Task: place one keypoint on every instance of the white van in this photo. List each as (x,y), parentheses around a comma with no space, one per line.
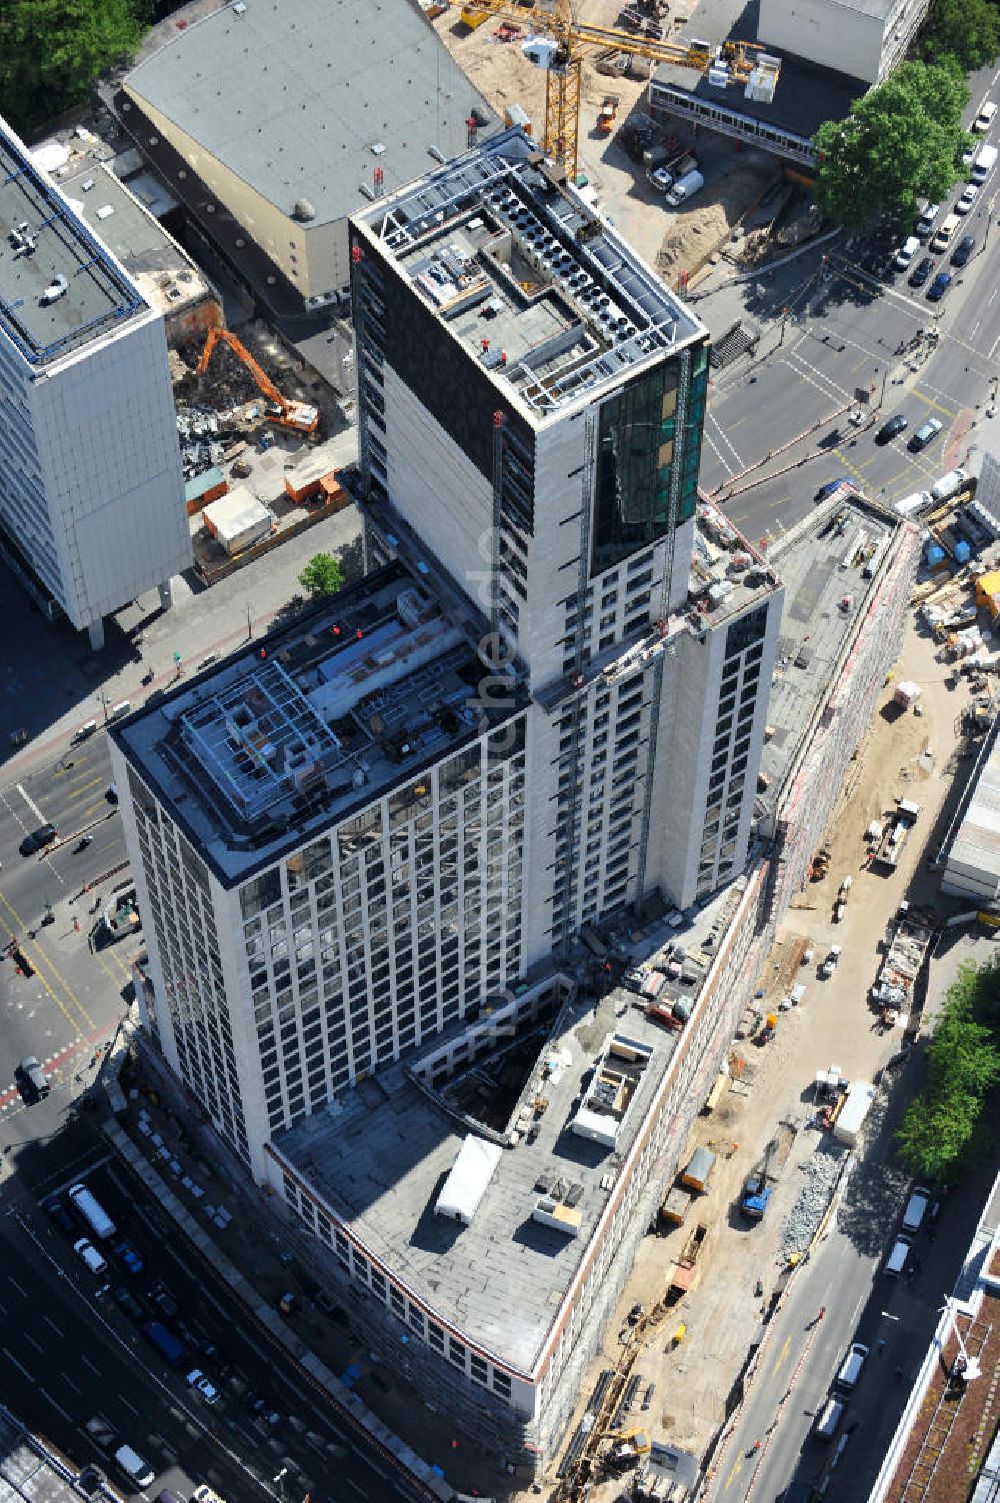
(850,1368)
(829,1418)
(916,501)
(138,1471)
(898,1258)
(796,994)
(92,1212)
(685,187)
(948,485)
(983,164)
(916,1209)
(906,252)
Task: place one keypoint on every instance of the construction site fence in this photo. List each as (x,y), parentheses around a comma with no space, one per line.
(281,534)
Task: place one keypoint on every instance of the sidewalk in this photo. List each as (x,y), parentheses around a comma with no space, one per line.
(51,683)
(262,1253)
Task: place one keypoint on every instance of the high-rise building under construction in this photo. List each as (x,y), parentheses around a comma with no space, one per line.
(364,857)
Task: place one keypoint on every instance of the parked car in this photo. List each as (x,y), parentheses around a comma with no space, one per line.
(128,1302)
(32,1081)
(924,434)
(661,179)
(984,119)
(87,1252)
(54,1207)
(918,276)
(196,1379)
(38,839)
(892,428)
(830,486)
(926,221)
(963,250)
(967,199)
(939,287)
(164,1300)
(829,965)
(128,1257)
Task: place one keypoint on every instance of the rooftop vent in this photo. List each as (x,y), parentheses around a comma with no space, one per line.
(304,210)
(54,291)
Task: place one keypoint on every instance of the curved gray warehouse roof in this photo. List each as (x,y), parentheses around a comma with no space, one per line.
(293,95)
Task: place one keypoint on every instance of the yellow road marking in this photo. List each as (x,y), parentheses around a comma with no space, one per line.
(949,412)
(782,1357)
(93,783)
(39,952)
(30,953)
(737,1467)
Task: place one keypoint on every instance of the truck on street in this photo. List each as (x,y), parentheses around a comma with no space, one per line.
(761,1181)
(166,1343)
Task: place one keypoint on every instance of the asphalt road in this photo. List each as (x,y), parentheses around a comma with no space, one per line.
(69,1352)
(830,330)
(74,998)
(802,1353)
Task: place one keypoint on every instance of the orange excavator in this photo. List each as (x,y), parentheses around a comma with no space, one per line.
(298,416)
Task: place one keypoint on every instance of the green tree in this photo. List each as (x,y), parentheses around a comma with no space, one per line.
(322,575)
(967,30)
(941,1124)
(51,51)
(900,142)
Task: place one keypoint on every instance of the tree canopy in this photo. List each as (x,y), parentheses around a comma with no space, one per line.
(52,50)
(966,30)
(942,1123)
(901,142)
(322,575)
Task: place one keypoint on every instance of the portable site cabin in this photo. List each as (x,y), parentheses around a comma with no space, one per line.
(699,1170)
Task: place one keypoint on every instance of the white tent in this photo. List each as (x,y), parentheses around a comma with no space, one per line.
(469,1179)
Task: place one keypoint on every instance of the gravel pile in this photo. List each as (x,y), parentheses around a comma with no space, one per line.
(819,1175)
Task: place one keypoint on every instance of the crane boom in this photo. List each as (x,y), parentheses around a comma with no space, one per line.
(562,64)
(297,415)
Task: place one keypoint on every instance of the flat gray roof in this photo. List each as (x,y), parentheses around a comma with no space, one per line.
(379,1157)
(162,271)
(303,100)
(806,95)
(59,287)
(822,565)
(285,740)
(976,847)
(522,272)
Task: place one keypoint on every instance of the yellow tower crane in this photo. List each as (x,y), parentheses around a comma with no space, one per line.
(559,45)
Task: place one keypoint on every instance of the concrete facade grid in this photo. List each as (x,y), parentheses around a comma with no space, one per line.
(93,497)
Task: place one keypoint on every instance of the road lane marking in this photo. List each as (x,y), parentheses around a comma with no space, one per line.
(12,1280)
(356,1486)
(26,1336)
(19,1365)
(65,1378)
(123,1400)
(52,1323)
(782,1357)
(938,406)
(52,1401)
(719,455)
(35,953)
(87,1363)
(30,803)
(726,441)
